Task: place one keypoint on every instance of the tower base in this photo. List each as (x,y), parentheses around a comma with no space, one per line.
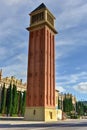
(40,114)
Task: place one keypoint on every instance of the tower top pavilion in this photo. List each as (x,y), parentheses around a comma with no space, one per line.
(41,15)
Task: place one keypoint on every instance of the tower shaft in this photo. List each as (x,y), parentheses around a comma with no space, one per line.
(40,103)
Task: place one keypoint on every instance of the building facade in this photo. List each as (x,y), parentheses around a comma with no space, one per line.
(12,80)
(21,87)
(40,103)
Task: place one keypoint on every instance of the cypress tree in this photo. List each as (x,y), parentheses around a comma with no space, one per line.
(9,100)
(67,105)
(70,104)
(14,100)
(59,104)
(64,105)
(3,99)
(20,104)
(23,102)
(17,103)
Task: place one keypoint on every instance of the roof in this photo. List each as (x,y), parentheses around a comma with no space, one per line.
(41,6)
(57,90)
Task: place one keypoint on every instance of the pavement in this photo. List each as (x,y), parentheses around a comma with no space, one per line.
(20,120)
(14,123)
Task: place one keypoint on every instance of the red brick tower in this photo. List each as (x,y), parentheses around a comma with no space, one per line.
(40,104)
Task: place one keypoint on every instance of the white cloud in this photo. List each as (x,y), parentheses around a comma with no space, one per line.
(64,42)
(59,54)
(71,78)
(72,3)
(14,2)
(14,19)
(3,52)
(17,70)
(60,88)
(64,47)
(81,87)
(71,17)
(77,68)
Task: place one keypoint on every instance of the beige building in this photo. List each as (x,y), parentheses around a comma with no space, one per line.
(56,98)
(58,111)
(59,98)
(70,96)
(73,100)
(7,80)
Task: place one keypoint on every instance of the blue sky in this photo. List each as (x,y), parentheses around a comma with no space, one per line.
(71,41)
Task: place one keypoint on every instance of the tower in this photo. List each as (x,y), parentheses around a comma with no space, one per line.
(40,102)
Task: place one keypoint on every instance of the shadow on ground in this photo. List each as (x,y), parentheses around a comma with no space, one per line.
(57,124)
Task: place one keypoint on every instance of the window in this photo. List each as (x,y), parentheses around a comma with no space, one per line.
(50,113)
(34,112)
(50,19)
(37,17)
